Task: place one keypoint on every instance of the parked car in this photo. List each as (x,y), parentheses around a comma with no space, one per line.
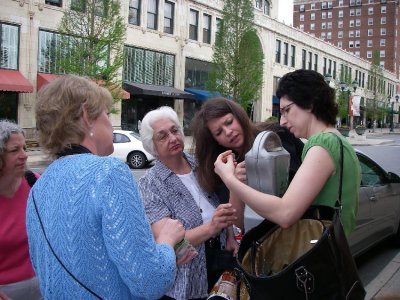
(379,208)
(129,148)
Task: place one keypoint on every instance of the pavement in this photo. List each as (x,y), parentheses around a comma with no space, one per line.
(386,285)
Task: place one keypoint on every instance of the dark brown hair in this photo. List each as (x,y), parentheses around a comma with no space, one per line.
(206,147)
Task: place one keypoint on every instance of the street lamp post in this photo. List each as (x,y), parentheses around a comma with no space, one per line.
(355,86)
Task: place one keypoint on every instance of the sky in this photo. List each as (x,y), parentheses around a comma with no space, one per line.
(285,11)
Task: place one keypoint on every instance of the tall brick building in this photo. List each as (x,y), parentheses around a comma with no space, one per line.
(358,26)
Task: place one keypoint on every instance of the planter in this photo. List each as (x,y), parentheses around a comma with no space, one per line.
(344,131)
(360,131)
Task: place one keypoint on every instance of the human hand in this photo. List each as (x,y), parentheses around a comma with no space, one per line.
(185,253)
(224,165)
(3,296)
(224,216)
(240,172)
(171,233)
(232,244)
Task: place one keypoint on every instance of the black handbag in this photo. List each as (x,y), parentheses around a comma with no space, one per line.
(309,260)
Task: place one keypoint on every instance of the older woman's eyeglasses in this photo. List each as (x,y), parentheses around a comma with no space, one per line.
(285,110)
(163,136)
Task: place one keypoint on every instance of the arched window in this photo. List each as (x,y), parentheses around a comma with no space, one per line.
(267,7)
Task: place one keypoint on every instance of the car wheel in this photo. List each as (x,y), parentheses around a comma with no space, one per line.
(136,160)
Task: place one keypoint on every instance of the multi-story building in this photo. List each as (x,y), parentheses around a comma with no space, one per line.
(358,26)
(167,57)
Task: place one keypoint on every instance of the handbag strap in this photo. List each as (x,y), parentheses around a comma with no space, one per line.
(338,203)
(56,256)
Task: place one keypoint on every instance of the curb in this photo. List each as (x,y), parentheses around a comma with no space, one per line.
(382,286)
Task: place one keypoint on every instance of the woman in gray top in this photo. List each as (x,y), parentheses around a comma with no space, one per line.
(170,190)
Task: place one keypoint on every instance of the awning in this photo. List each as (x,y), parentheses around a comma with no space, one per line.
(43,79)
(202,95)
(14,81)
(156,90)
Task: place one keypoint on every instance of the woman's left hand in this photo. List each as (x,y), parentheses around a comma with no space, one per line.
(232,244)
(224,166)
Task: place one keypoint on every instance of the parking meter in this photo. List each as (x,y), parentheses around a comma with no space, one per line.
(267,170)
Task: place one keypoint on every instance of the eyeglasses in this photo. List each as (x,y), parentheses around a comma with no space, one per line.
(285,110)
(163,136)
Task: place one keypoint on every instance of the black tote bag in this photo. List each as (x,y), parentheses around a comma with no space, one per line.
(323,268)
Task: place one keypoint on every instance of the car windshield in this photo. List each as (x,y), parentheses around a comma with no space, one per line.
(135,135)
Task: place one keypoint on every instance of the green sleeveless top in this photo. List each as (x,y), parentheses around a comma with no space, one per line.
(351,177)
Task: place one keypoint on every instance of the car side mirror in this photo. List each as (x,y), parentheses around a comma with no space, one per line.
(393,178)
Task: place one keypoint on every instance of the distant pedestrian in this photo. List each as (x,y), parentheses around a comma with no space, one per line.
(88,234)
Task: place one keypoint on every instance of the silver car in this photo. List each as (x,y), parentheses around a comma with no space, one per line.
(379,209)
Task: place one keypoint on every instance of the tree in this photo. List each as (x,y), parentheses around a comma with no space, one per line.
(93,35)
(375,85)
(237,68)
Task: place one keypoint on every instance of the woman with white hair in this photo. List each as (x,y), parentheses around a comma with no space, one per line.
(170,190)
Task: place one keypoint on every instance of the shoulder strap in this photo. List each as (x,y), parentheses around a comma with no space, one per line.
(338,203)
(30,177)
(56,256)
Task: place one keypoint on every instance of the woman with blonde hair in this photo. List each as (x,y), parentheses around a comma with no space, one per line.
(88,234)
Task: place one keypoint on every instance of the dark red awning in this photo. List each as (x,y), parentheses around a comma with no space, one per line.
(14,81)
(42,79)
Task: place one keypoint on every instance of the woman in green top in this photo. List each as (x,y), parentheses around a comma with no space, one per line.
(308,109)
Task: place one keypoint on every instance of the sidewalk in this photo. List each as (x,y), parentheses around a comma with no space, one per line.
(37,158)
(386,285)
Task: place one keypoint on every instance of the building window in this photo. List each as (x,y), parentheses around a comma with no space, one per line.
(382,53)
(357,53)
(323,35)
(370,11)
(206,29)
(329,35)
(196,74)
(340,14)
(266,8)
(193,24)
(369,43)
(148,67)
(352,12)
(383,31)
(383,42)
(340,24)
(383,9)
(301,8)
(358,33)
(301,27)
(152,7)
(351,33)
(134,12)
(54,2)
(315,62)
(9,46)
(369,54)
(370,32)
(340,44)
(351,23)
(383,20)
(329,25)
(169,11)
(323,16)
(293,56)
(358,12)
(323,5)
(312,6)
(278,51)
(309,60)
(285,54)
(312,16)
(340,3)
(301,17)
(259,4)
(312,26)
(370,21)
(303,58)
(357,44)
(351,44)
(340,34)
(323,25)
(330,4)
(358,22)
(329,15)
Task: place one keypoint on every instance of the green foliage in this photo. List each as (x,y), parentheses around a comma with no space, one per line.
(237,68)
(93,40)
